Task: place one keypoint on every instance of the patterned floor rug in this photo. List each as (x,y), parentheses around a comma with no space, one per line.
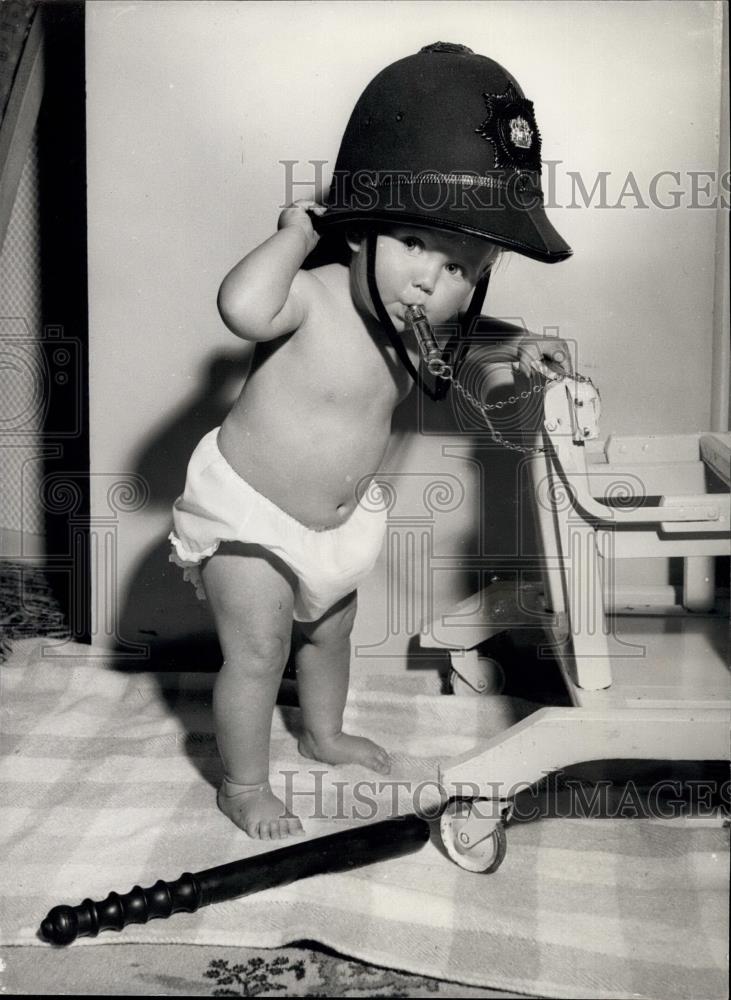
(305,970)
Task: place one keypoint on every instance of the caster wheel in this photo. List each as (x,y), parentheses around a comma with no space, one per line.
(487,855)
(476,677)
(459,686)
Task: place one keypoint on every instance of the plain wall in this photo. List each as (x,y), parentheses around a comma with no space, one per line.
(191,109)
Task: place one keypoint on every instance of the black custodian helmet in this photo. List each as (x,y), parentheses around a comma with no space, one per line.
(445,138)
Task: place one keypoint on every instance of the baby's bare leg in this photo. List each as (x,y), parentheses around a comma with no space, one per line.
(251,598)
(323,672)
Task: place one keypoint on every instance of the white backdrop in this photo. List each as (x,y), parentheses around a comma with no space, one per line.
(191,109)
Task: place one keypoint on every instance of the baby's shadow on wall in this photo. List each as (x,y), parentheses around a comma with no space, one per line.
(161,623)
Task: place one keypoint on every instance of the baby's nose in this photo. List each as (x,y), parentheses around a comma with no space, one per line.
(426,275)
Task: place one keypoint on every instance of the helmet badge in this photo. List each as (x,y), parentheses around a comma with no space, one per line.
(510,126)
(521,134)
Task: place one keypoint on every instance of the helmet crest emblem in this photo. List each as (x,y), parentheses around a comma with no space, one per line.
(510,126)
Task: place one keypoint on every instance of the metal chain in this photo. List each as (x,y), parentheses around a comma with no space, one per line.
(444,370)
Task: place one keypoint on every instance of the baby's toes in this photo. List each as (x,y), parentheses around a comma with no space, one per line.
(293,827)
(382,762)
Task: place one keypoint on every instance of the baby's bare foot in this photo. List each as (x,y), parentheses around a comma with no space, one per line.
(345,749)
(257,810)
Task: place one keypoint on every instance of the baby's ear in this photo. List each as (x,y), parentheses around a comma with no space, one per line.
(492,263)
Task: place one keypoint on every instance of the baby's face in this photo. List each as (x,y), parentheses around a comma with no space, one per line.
(432,268)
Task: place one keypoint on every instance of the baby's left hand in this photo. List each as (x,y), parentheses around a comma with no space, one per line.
(548,356)
(527,354)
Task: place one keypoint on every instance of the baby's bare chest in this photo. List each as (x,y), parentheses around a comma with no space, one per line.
(346,362)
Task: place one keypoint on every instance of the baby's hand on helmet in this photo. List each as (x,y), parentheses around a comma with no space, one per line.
(297,215)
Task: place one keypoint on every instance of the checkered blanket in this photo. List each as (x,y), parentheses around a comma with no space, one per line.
(108,780)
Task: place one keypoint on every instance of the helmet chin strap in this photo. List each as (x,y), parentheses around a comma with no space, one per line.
(441,386)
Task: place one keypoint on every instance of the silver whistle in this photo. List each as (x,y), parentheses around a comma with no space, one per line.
(416,319)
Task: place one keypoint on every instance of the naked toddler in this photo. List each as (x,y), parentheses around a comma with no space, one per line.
(280,519)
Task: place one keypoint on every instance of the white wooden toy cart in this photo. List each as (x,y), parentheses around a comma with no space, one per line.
(646,667)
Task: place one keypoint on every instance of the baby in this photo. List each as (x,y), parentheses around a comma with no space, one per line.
(280,520)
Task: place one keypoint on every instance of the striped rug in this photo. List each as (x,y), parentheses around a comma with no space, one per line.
(108,780)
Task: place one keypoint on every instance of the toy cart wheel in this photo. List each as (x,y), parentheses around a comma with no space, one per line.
(474,676)
(462,688)
(487,854)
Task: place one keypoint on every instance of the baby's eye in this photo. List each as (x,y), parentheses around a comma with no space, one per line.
(412,243)
(456,270)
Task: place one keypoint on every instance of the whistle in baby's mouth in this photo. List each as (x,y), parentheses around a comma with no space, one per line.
(416,319)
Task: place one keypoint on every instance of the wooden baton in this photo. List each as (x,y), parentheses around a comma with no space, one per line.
(336,852)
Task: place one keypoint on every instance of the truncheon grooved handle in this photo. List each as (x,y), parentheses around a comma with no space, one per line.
(65,923)
(335,852)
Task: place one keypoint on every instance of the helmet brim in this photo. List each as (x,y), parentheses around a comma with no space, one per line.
(526,231)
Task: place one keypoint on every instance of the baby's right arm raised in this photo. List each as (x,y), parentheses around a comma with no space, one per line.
(265,295)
